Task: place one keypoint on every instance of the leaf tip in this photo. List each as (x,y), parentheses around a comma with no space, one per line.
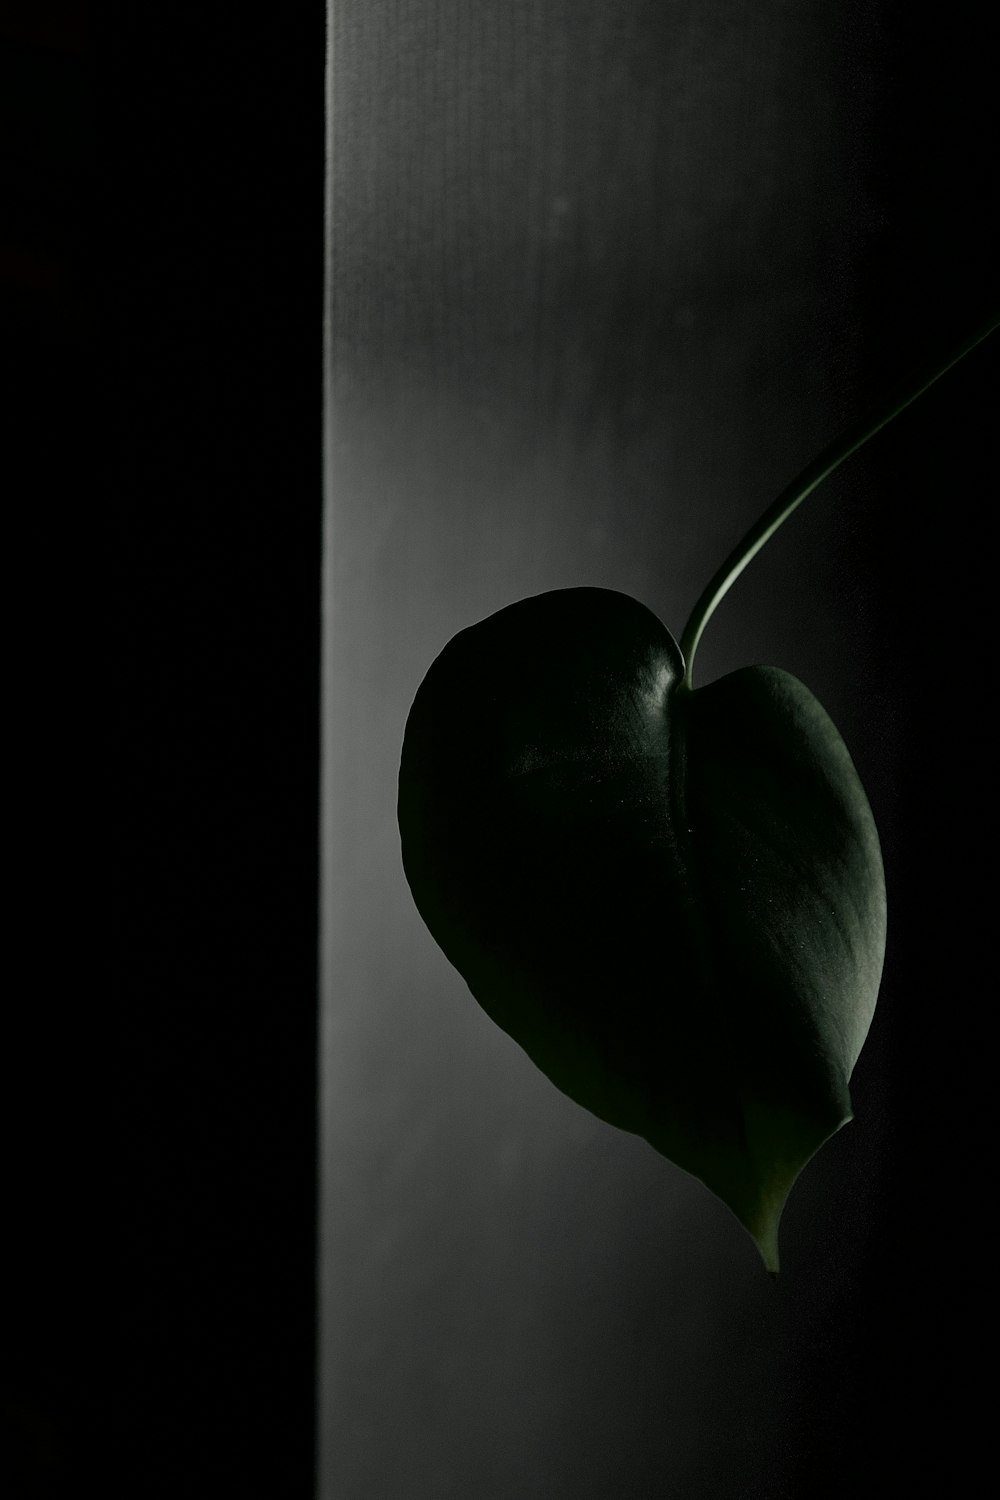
(766,1240)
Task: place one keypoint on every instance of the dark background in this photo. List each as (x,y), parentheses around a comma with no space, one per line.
(164,1288)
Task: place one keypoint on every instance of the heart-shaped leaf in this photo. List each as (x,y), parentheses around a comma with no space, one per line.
(672,899)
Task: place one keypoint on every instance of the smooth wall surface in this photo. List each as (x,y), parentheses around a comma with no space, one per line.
(602,280)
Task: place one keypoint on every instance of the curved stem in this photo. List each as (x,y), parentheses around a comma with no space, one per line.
(793,495)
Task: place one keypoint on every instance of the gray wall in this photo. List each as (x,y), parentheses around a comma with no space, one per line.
(593,302)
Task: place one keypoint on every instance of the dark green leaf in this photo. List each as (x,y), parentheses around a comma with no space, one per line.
(673,901)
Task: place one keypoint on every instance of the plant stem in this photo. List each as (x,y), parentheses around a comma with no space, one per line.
(793,495)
